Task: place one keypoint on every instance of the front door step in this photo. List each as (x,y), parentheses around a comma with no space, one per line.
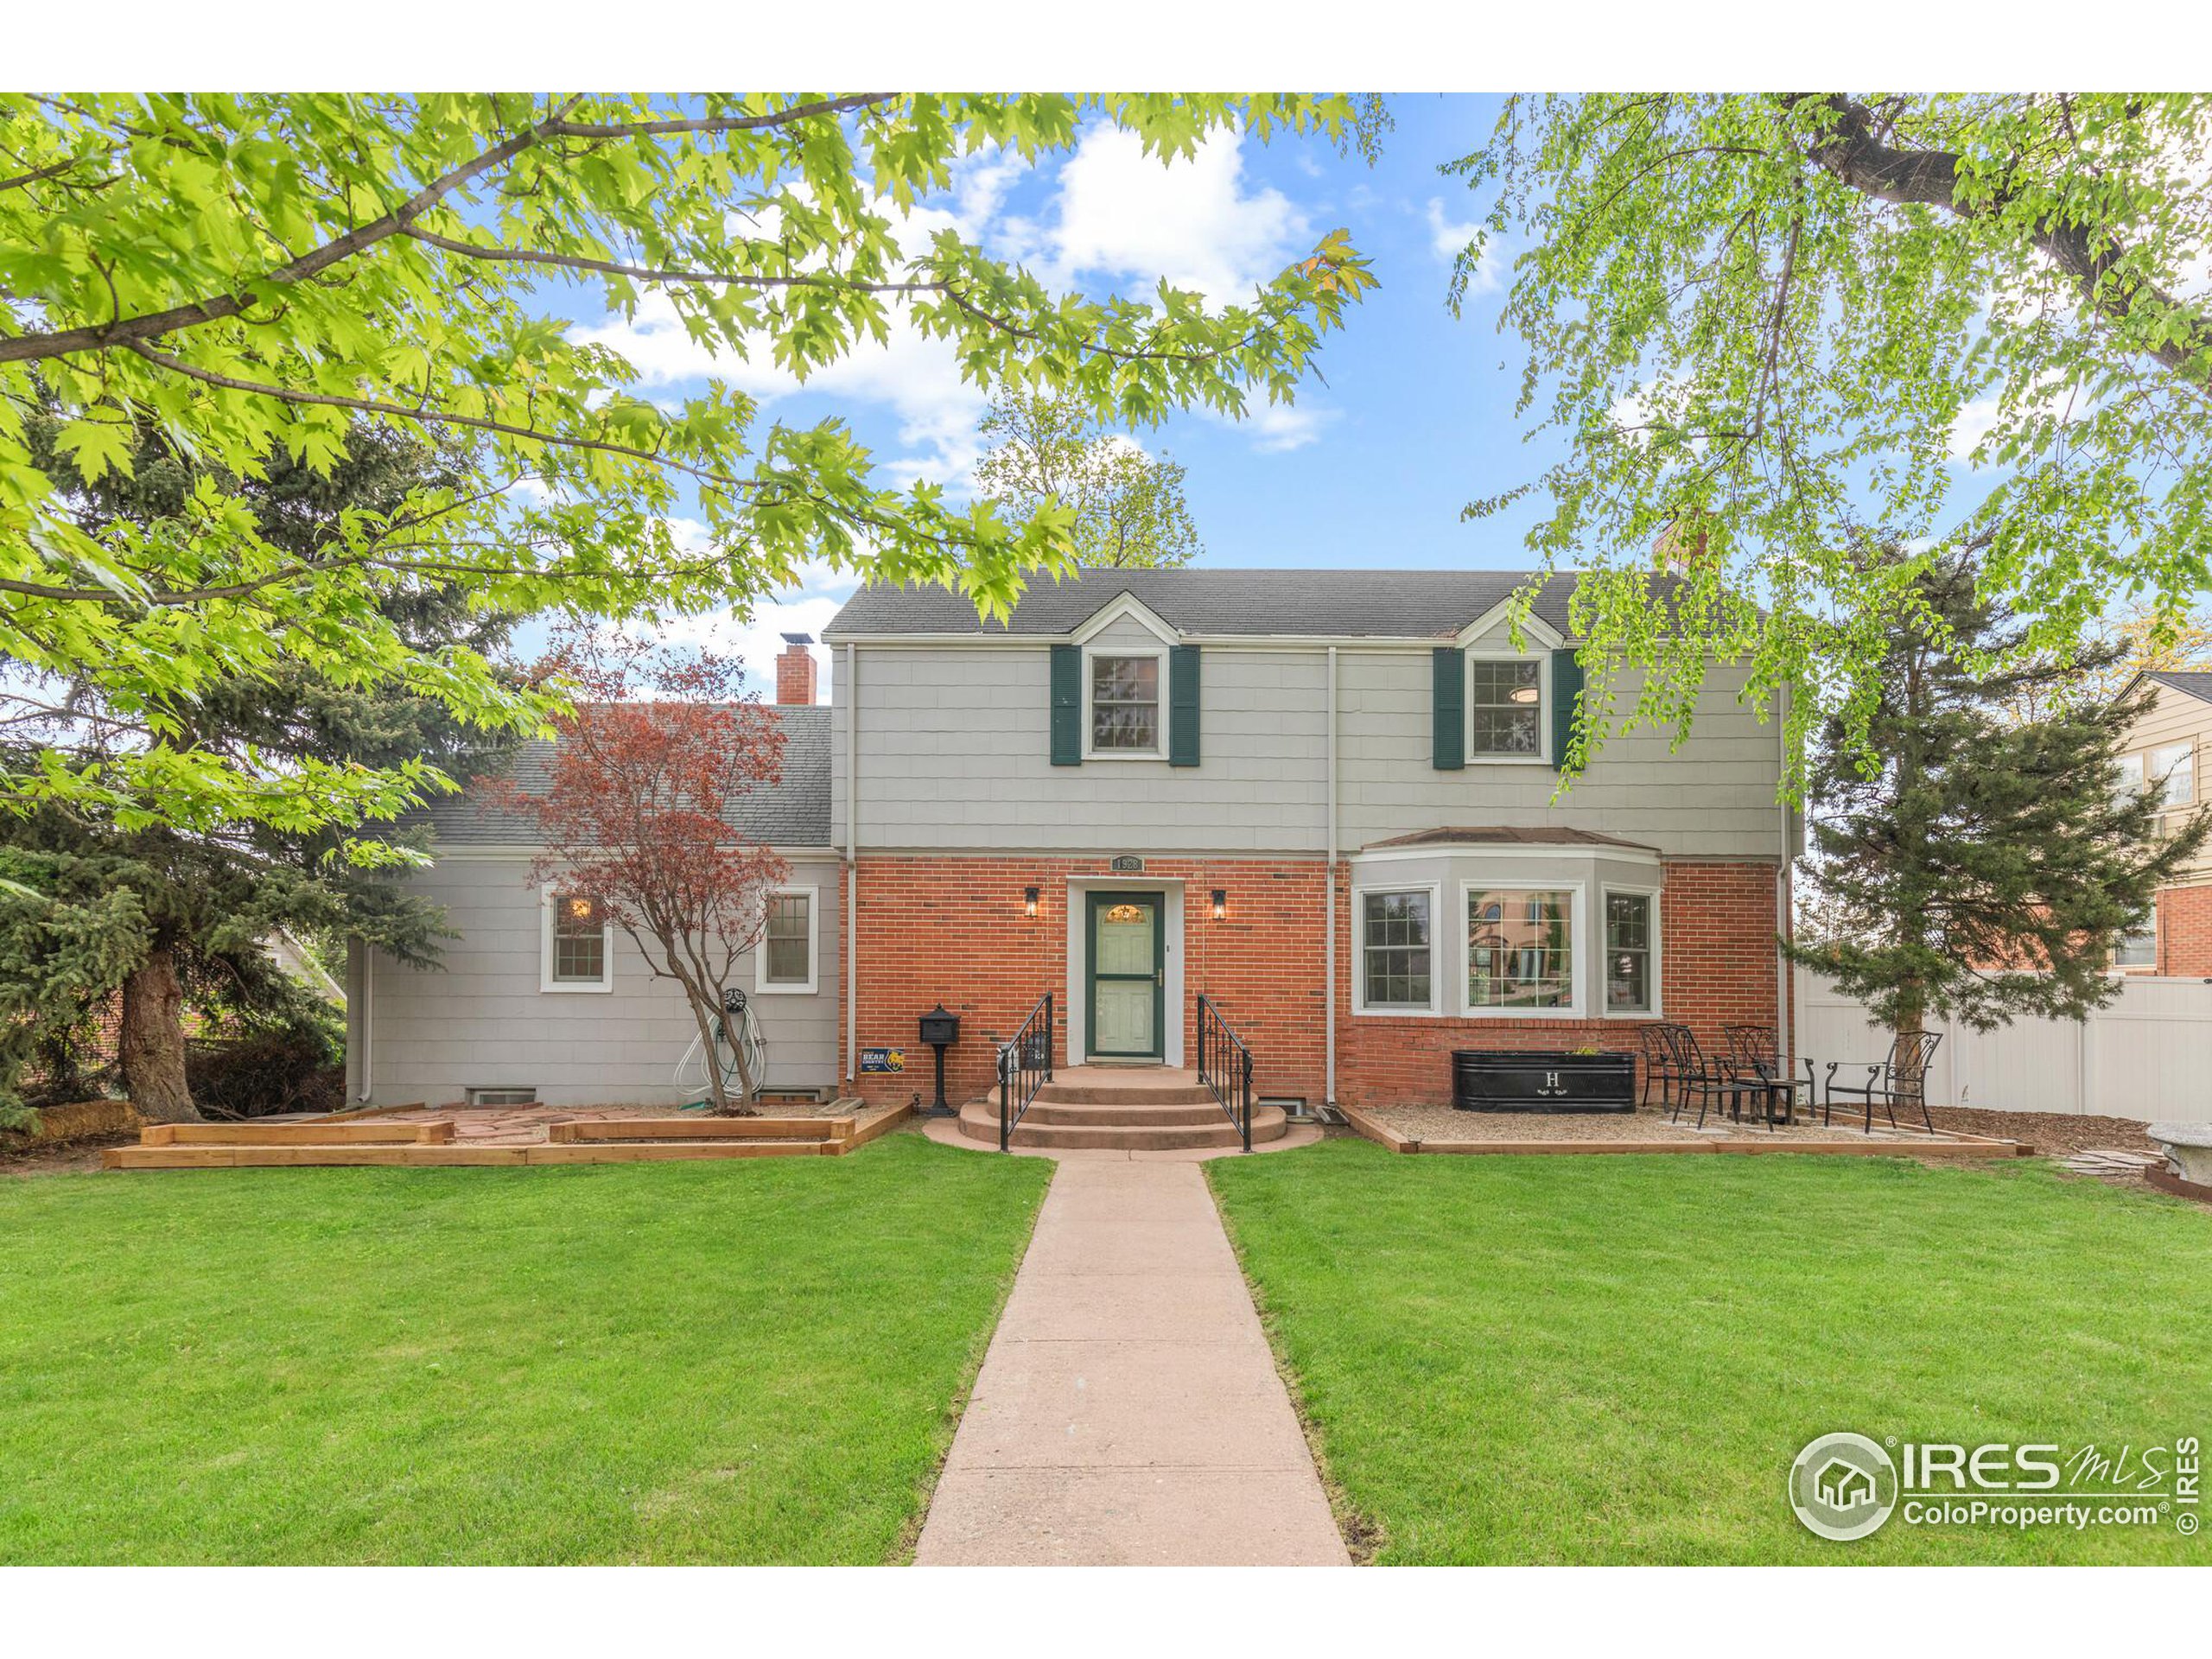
(1158,1109)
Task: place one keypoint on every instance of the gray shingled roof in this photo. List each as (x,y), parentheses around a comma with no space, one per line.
(1337,604)
(2196,684)
(792,812)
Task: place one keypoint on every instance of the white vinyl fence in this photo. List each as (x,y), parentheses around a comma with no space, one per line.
(2146,1054)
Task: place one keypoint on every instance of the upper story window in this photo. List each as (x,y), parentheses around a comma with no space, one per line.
(1394,950)
(1125,688)
(2173,774)
(1505,708)
(576,949)
(2168,772)
(786,951)
(1520,948)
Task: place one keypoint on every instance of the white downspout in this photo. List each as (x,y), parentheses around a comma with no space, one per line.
(1783,970)
(368,1016)
(852,865)
(1328,908)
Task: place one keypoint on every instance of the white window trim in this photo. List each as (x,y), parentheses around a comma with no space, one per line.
(760,984)
(546,982)
(1437,955)
(2139,968)
(2158,780)
(1578,940)
(1159,752)
(1543,754)
(1654,979)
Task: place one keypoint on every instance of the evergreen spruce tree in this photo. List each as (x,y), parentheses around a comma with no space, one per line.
(198,900)
(1970,861)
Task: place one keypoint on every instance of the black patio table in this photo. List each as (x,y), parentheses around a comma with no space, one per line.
(1751,1049)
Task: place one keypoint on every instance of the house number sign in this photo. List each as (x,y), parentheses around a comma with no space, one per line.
(1128,864)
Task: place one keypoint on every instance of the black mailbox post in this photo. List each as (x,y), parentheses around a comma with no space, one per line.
(939,1030)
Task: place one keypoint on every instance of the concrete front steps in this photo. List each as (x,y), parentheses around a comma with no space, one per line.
(1121,1108)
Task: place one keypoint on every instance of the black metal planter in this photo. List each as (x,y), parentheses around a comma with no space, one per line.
(1539,1080)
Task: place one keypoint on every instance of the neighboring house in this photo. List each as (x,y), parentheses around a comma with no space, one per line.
(1324,799)
(2162,757)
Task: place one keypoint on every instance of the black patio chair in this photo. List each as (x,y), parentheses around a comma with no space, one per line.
(1662,1063)
(1715,1080)
(1901,1080)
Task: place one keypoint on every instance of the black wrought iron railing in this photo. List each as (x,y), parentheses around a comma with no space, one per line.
(1024,1066)
(1225,1068)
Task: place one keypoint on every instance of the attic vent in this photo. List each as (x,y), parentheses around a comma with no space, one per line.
(523,1095)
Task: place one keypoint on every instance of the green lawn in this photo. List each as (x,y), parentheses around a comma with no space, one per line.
(1615,1358)
(742,1362)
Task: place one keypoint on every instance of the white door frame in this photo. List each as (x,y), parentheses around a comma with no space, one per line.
(1170,888)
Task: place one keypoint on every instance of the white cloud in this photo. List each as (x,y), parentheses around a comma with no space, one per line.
(1449,239)
(1123,214)
(918,379)
(1276,427)
(1116,214)
(757,638)
(1446,237)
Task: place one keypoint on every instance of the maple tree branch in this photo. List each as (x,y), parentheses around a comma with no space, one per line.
(437,418)
(37,346)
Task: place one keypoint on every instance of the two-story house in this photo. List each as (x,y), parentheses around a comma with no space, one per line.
(2162,757)
(1327,800)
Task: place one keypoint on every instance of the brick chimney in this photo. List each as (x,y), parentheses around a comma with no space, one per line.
(795,669)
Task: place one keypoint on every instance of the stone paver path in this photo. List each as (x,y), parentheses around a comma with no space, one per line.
(1128,1411)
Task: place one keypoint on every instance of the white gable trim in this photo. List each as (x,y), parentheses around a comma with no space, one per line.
(1535,631)
(1123,605)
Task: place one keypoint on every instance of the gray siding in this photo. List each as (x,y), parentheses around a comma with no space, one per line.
(954,755)
(483,1020)
(1713,797)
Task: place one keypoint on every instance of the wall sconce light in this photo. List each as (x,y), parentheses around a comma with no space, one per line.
(1029,901)
(1220,903)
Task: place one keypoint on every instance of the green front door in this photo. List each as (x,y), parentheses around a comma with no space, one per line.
(1127,956)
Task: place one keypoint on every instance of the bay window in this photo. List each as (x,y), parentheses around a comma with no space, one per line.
(1520,948)
(1394,965)
(1631,951)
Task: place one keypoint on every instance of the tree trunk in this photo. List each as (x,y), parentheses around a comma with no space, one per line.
(1912,1020)
(151,1048)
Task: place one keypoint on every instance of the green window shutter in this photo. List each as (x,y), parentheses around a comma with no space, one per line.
(1451,705)
(1067,705)
(1183,706)
(1567,692)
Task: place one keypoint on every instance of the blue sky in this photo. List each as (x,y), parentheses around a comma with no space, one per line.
(1412,415)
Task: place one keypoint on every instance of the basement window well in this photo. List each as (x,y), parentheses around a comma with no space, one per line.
(526,1095)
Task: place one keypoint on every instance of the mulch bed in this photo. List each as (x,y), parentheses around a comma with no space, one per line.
(2048,1132)
(1645,1123)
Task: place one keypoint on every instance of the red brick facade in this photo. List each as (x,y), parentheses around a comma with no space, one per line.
(1716,969)
(953,928)
(2184,932)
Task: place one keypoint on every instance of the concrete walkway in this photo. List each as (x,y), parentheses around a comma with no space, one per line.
(1128,1411)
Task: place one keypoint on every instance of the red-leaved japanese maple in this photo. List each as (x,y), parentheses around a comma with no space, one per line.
(638,815)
